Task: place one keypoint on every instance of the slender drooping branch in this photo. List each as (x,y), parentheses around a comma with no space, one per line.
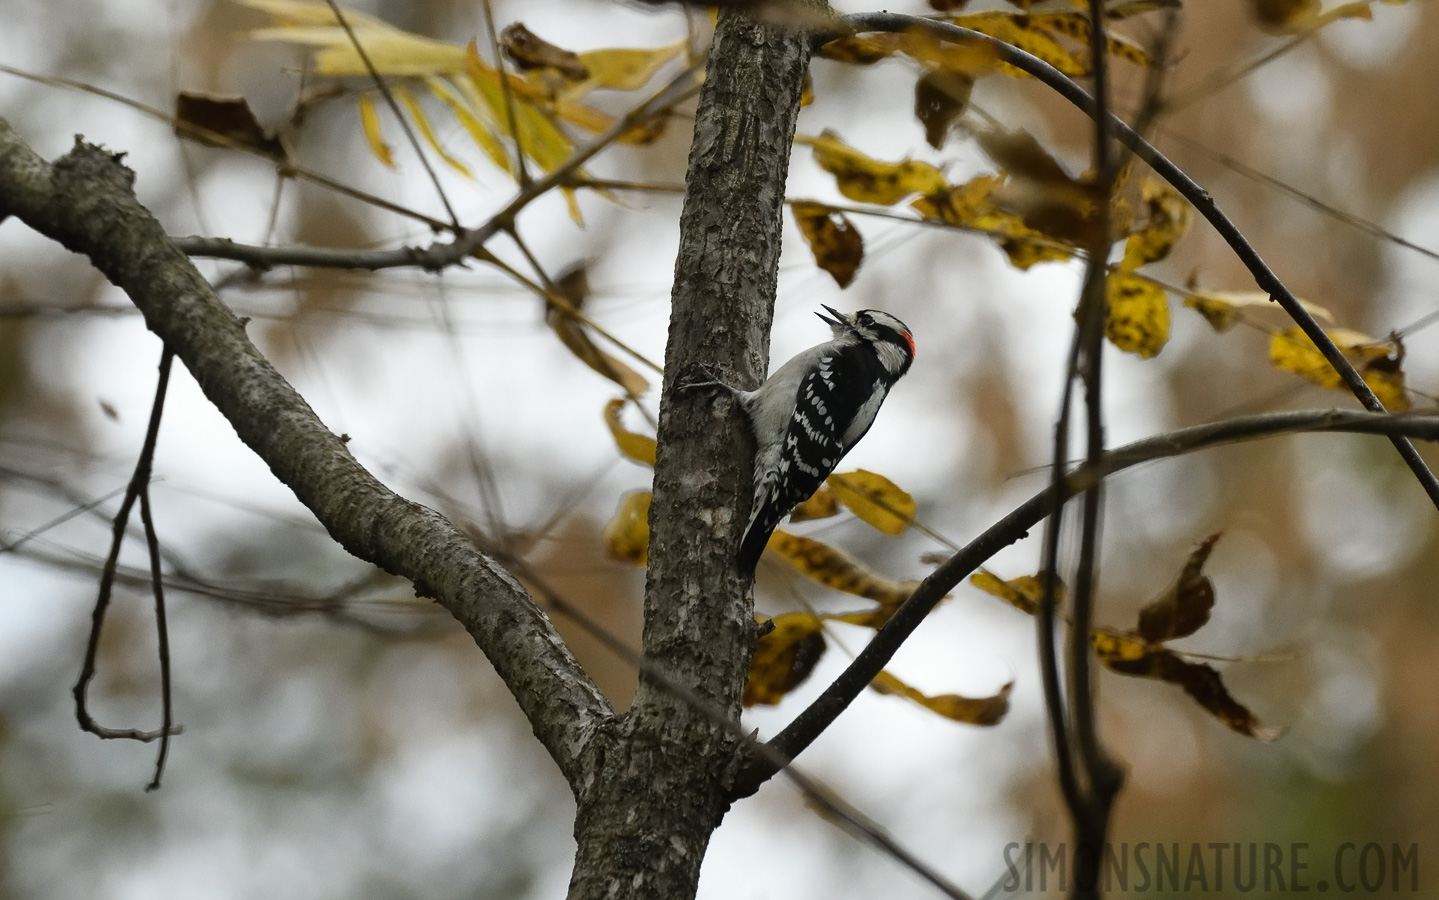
(1199,198)
(86,203)
(818,716)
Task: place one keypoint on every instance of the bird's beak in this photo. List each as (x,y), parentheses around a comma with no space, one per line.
(839,320)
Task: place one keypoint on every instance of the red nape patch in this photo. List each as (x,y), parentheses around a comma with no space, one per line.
(908,339)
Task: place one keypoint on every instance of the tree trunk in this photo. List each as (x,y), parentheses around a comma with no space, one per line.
(661,773)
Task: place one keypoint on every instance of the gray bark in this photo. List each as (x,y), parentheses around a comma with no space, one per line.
(663,772)
(85,202)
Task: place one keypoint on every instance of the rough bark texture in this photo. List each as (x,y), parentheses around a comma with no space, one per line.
(661,776)
(85,202)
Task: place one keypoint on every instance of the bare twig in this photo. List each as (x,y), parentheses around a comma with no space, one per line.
(137,489)
(395,108)
(808,725)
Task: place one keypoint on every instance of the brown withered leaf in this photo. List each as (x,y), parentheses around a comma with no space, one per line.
(627,534)
(837,245)
(1200,681)
(1184,607)
(528,50)
(970,710)
(574,287)
(947,5)
(1044,195)
(821,505)
(834,568)
(867,180)
(223,122)
(784,657)
(971,205)
(1024,593)
(876,500)
(638,447)
(940,98)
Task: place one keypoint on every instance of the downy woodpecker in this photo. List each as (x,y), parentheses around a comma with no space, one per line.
(813,410)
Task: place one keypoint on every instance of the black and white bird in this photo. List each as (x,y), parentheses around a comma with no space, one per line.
(813,410)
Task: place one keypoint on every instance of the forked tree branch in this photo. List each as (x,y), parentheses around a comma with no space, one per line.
(1199,198)
(795,737)
(85,202)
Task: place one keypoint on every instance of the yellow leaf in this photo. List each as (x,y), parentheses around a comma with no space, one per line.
(971,711)
(820,505)
(1138,320)
(627,535)
(1017,30)
(1024,593)
(308,12)
(479,132)
(422,122)
(625,69)
(836,244)
(784,657)
(1379,362)
(1222,309)
(867,180)
(1112,647)
(1169,216)
(875,499)
(971,205)
(637,447)
(370,125)
(836,569)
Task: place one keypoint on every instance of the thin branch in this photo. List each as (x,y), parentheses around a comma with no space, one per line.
(818,716)
(395,108)
(190,129)
(85,202)
(1199,198)
(137,489)
(522,172)
(162,629)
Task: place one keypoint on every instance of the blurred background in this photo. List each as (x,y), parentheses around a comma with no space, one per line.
(343,739)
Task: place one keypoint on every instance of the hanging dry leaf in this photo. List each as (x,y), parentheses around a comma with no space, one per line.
(1200,681)
(876,500)
(1024,593)
(1138,320)
(971,711)
(528,50)
(834,568)
(622,69)
(1045,196)
(574,334)
(637,447)
(866,180)
(1184,607)
(223,122)
(784,658)
(836,244)
(627,534)
(1222,309)
(1379,362)
(940,98)
(971,205)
